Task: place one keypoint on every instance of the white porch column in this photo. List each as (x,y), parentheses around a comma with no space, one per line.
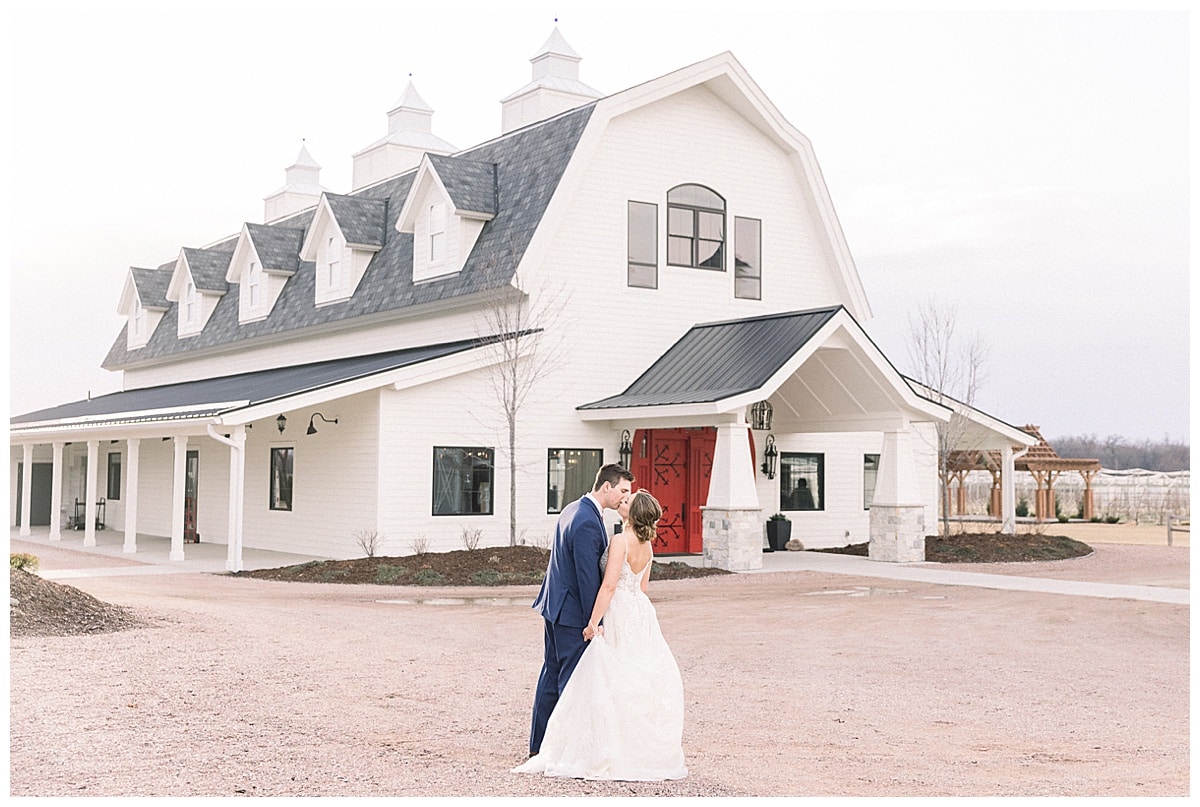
(237,476)
(1008,491)
(131,493)
(26,486)
(177,495)
(897,515)
(56,483)
(732,519)
(89,507)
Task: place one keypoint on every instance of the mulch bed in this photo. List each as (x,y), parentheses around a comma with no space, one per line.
(493,566)
(988,547)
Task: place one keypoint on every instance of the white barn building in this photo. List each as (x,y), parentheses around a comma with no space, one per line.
(663,266)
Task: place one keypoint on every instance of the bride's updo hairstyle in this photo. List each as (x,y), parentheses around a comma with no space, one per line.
(644,513)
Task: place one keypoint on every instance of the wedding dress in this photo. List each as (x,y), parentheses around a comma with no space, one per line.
(621,714)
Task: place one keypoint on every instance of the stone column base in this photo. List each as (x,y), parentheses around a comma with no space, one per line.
(897,533)
(733,538)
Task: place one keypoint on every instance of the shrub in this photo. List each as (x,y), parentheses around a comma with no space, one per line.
(369,541)
(471,536)
(1063,518)
(420,545)
(24,561)
(427,577)
(1111,519)
(386,573)
(486,577)
(779,517)
(1023,507)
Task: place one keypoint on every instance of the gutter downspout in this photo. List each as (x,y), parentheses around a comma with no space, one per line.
(237,474)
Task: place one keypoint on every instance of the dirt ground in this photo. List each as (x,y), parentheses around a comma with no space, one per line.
(796,683)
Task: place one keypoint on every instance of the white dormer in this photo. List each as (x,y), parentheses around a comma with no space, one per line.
(143,303)
(555,87)
(264,258)
(301,189)
(345,234)
(450,201)
(410,134)
(197,285)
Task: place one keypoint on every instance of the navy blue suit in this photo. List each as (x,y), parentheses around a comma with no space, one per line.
(565,602)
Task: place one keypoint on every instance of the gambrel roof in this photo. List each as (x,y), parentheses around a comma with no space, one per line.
(529,164)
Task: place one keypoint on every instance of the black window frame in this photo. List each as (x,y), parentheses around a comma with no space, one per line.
(788,498)
(631,263)
(696,212)
(113,487)
(286,500)
(472,493)
(566,496)
(743,274)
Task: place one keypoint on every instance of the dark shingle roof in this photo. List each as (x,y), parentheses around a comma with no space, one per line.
(200,397)
(278,247)
(208,268)
(721,359)
(529,164)
(470,183)
(362,221)
(151,285)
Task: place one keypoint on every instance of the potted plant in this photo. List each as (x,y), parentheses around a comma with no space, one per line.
(779,532)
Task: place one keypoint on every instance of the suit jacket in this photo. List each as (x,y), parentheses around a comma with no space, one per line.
(573,577)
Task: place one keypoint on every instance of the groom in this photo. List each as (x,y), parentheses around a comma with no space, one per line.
(570,587)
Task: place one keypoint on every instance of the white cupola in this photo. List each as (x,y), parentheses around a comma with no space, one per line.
(410,134)
(555,87)
(301,189)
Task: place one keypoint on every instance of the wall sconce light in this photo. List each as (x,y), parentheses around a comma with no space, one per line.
(626,449)
(313,429)
(770,454)
(281,422)
(760,416)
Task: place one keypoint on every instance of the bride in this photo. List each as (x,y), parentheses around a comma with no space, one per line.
(621,713)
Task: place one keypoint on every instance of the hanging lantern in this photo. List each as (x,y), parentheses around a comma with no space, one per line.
(770,455)
(626,449)
(760,416)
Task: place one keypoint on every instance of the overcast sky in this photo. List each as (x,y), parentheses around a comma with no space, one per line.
(1028,170)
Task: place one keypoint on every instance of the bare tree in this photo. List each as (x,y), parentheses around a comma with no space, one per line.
(952,369)
(515,326)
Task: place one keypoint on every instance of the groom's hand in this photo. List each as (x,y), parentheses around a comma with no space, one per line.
(590,632)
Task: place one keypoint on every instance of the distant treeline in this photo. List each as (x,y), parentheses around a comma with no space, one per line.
(1118,454)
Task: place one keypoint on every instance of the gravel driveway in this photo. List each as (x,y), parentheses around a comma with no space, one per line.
(796,683)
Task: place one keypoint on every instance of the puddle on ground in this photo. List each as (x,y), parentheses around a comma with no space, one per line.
(460,601)
(860,591)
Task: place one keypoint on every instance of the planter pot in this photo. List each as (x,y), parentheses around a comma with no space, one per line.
(778,534)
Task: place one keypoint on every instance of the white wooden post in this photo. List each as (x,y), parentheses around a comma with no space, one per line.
(26,485)
(177,496)
(131,494)
(237,475)
(56,484)
(1008,492)
(89,505)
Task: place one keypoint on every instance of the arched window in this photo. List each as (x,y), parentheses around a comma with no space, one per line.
(695,227)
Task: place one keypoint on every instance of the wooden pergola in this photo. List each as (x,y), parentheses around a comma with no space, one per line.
(1041,460)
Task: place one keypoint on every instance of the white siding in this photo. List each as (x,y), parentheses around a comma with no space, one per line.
(334,491)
